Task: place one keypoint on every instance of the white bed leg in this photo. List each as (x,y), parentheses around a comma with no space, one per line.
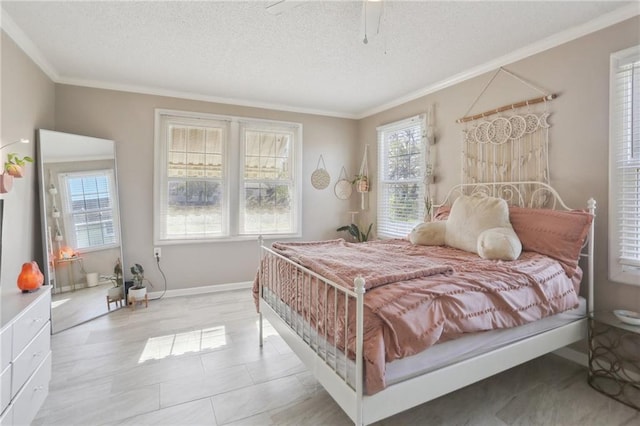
(260,325)
(590,267)
(359,284)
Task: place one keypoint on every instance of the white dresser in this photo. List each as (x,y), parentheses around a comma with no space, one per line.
(25,355)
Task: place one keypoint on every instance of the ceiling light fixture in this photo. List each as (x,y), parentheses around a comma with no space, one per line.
(372,17)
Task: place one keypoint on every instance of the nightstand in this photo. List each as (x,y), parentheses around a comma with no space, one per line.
(614,358)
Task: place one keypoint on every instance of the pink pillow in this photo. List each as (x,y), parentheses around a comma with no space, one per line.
(442,213)
(554,233)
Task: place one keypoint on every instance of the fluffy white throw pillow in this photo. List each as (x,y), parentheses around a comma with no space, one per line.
(472,215)
(428,233)
(499,243)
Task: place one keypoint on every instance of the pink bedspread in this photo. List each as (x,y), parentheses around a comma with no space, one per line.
(381,263)
(446,293)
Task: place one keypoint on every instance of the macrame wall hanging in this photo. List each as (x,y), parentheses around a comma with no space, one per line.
(509,143)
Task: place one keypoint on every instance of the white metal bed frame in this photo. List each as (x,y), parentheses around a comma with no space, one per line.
(365,409)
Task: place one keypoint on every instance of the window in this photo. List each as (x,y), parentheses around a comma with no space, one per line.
(90,210)
(221,177)
(624,167)
(267,181)
(401,170)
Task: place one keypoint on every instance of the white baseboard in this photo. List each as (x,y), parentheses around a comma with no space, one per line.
(202,290)
(573,355)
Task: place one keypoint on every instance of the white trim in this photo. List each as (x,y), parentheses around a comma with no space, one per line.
(606,20)
(28,47)
(199,97)
(191,291)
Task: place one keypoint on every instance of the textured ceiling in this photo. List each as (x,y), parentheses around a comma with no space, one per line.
(308,58)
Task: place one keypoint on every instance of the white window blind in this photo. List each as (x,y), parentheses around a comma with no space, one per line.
(624,191)
(268,186)
(89,209)
(401,172)
(223,177)
(192,178)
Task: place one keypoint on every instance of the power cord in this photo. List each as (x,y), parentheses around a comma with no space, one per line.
(163,277)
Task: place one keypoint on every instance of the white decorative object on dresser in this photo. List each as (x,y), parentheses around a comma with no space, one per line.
(25,355)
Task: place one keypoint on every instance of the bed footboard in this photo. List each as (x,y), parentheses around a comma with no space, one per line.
(321,320)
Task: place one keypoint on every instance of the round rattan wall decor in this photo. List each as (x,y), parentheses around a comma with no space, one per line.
(320,178)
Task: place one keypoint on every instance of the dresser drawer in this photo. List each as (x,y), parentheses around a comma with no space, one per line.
(7,417)
(5,347)
(29,359)
(32,395)
(30,322)
(5,388)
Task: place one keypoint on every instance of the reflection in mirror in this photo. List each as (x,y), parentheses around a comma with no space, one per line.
(80,226)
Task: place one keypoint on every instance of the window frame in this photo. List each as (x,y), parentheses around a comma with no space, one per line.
(295,161)
(381,182)
(618,272)
(67,213)
(233,166)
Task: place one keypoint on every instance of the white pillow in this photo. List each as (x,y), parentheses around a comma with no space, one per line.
(499,243)
(428,233)
(470,216)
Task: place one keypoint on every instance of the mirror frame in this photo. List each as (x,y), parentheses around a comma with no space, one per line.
(43,188)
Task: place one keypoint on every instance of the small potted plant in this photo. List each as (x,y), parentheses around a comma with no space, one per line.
(14,165)
(356,233)
(115,292)
(138,291)
(361,182)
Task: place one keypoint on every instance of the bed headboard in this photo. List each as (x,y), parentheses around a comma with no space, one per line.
(522,194)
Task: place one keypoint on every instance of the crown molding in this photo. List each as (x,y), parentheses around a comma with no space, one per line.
(199,97)
(24,42)
(555,40)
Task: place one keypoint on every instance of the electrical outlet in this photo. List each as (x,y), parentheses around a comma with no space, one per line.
(157,252)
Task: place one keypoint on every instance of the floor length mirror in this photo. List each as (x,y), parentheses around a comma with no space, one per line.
(80,226)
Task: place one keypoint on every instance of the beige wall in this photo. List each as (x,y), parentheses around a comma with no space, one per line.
(27,103)
(128,119)
(579,72)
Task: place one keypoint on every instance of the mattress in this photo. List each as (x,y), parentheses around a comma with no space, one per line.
(435,357)
(471,345)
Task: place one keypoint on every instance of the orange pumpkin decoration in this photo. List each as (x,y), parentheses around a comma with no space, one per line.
(66,252)
(30,278)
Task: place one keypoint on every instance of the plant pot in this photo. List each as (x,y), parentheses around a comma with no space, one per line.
(15,170)
(115,293)
(362,185)
(92,279)
(6,183)
(136,294)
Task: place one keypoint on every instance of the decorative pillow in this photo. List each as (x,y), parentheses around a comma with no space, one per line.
(442,213)
(554,233)
(499,244)
(470,216)
(428,234)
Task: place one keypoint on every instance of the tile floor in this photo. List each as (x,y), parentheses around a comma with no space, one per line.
(71,308)
(196,361)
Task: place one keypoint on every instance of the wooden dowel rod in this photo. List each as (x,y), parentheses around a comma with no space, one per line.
(508,107)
